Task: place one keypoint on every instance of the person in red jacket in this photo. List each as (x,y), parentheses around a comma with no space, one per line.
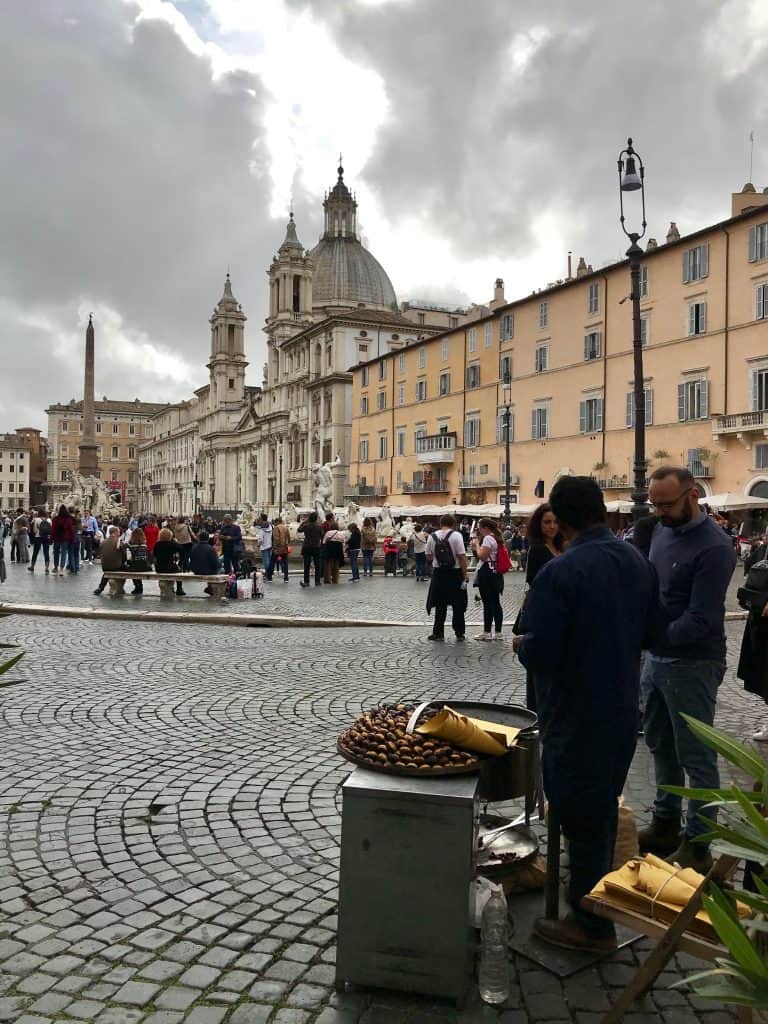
(151,531)
(62,534)
(391,548)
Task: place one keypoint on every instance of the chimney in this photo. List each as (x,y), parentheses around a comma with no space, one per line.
(581,268)
(652,244)
(748,199)
(570,257)
(673,235)
(498,294)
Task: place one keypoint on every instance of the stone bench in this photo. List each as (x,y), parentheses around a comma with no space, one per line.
(117,581)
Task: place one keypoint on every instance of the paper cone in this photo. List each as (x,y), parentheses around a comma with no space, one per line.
(461,732)
(660,884)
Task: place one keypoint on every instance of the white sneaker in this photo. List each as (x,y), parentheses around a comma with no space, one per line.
(761,736)
(483,636)
(498,636)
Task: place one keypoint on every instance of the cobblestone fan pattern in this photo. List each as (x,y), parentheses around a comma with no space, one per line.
(170,823)
(395,599)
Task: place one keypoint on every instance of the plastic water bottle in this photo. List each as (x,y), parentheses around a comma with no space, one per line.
(493,973)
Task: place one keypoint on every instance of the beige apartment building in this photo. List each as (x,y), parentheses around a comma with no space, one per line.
(120,428)
(428,421)
(22,469)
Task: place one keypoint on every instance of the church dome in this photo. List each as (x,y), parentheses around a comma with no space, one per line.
(346,274)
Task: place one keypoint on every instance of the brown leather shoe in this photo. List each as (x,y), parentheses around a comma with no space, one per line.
(568,934)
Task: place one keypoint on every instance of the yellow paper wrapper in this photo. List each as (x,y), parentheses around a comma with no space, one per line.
(650,886)
(463,732)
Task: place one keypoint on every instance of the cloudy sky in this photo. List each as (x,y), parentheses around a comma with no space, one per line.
(146,146)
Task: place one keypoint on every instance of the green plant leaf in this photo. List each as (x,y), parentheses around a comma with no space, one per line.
(8,665)
(726,923)
(716,797)
(732,751)
(753,816)
(753,900)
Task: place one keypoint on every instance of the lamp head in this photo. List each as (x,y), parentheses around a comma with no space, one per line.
(630,179)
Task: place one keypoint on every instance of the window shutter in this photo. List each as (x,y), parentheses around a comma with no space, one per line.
(599,343)
(753,243)
(686,267)
(692,318)
(704,260)
(681,403)
(599,423)
(648,407)
(704,392)
(702,317)
(583,417)
(511,427)
(534,432)
(586,346)
(630,409)
(759,302)
(755,391)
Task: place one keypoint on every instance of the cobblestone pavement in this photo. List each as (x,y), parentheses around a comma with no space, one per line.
(170,823)
(393,599)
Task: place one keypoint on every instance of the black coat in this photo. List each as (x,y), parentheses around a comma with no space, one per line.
(753,659)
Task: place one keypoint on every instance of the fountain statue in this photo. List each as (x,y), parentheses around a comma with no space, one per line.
(384,523)
(322,477)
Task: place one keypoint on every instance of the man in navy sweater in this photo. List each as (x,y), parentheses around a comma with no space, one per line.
(694,560)
(588,616)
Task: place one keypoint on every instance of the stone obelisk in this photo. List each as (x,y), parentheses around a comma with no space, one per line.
(88,463)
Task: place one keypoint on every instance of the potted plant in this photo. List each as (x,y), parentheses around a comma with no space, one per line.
(741,978)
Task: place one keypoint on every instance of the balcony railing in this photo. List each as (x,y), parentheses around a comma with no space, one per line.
(615,482)
(360,491)
(700,469)
(435,448)
(429,485)
(466,482)
(738,422)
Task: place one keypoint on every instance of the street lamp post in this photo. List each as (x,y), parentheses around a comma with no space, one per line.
(632,179)
(507,423)
(280,477)
(196,484)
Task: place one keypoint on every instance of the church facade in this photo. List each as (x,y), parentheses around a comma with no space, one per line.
(330,308)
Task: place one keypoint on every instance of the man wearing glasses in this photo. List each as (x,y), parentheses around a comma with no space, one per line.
(694,560)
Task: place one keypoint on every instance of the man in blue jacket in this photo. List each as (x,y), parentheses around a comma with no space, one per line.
(589,614)
(694,559)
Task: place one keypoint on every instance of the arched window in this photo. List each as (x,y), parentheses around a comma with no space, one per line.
(759,488)
(296,293)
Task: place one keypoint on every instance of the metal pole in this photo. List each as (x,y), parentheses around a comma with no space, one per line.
(280,481)
(507,509)
(639,491)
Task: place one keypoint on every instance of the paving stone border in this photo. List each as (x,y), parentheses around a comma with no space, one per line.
(170,825)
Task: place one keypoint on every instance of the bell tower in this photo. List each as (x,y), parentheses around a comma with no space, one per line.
(227,364)
(290,280)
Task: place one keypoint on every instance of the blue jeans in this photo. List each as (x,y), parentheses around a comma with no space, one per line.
(421,565)
(668,689)
(353,557)
(368,561)
(73,556)
(266,559)
(60,550)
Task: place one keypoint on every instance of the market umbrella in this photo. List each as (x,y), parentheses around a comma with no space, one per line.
(730,501)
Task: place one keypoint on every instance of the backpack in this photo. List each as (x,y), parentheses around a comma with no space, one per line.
(443,556)
(44,529)
(503,561)
(754,593)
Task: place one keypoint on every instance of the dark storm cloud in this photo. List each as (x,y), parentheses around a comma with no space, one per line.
(482,151)
(129,180)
